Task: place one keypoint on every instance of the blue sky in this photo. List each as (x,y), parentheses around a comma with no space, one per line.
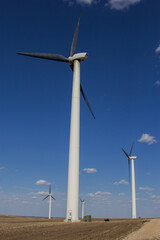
(121,79)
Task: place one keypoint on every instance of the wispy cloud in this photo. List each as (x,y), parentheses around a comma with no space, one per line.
(121,194)
(146,138)
(121,182)
(157,83)
(90,194)
(157,50)
(155,197)
(41,193)
(42,182)
(113,4)
(82,2)
(99,193)
(26,202)
(69,2)
(90,170)
(37,193)
(1,168)
(146,189)
(148,173)
(141,199)
(103,193)
(121,4)
(88,2)
(34,197)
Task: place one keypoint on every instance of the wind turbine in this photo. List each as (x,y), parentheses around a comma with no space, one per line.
(50,200)
(82,206)
(131,159)
(74,61)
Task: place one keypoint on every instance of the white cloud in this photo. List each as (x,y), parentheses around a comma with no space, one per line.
(121,4)
(121,182)
(155,197)
(146,138)
(37,193)
(41,193)
(157,83)
(89,170)
(141,199)
(34,197)
(99,193)
(82,2)
(42,182)
(156,201)
(103,193)
(157,49)
(146,189)
(88,2)
(121,194)
(148,173)
(90,194)
(113,4)
(25,202)
(70,3)
(1,168)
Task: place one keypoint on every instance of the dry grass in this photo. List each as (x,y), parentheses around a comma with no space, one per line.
(26,228)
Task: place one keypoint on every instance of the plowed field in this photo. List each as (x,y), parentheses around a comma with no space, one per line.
(24,228)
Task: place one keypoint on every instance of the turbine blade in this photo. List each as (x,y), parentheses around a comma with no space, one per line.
(53,198)
(80,199)
(50,189)
(49,56)
(85,99)
(125,153)
(46,197)
(74,41)
(131,150)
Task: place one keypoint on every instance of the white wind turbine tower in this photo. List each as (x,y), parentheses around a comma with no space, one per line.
(74,61)
(50,200)
(82,207)
(132,158)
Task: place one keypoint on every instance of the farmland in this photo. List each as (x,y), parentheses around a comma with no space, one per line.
(27,228)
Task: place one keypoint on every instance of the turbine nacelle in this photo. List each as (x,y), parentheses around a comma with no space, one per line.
(132,157)
(78,56)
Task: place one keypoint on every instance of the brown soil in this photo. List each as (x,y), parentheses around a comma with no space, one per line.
(20,228)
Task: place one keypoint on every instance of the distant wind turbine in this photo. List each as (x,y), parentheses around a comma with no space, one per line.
(132,158)
(50,200)
(74,61)
(82,207)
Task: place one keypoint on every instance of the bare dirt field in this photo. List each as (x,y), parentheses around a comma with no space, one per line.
(25,228)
